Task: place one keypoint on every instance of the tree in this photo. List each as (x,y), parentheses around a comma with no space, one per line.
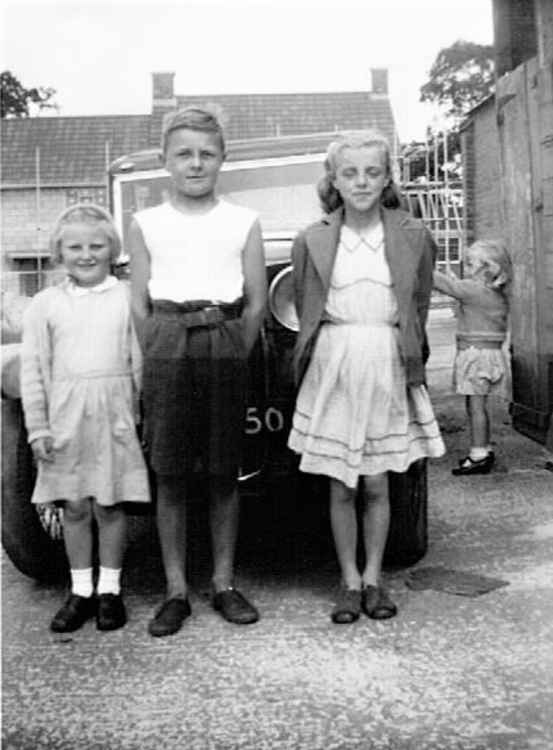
(461,76)
(16,100)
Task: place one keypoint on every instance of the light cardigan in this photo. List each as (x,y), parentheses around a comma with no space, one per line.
(36,354)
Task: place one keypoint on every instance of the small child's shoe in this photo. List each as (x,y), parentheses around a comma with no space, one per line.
(470,466)
(111,613)
(74,613)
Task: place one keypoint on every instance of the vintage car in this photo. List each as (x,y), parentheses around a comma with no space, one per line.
(276,177)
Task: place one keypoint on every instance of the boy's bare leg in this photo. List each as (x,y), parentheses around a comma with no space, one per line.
(224,514)
(171,525)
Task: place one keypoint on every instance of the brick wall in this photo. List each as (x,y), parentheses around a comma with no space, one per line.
(481,174)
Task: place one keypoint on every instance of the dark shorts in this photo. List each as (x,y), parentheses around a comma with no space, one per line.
(194,390)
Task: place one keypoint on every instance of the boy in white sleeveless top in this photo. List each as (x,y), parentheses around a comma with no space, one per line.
(199,291)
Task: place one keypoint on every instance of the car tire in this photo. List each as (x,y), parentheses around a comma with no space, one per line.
(408,533)
(30,548)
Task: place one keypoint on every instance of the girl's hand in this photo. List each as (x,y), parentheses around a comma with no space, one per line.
(43,449)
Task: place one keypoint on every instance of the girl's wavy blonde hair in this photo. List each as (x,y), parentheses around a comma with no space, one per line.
(493,255)
(328,195)
(85,213)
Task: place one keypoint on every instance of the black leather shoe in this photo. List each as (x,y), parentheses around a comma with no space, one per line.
(169,617)
(74,613)
(234,607)
(110,614)
(468,466)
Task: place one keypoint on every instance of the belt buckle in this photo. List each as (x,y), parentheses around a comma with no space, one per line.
(213,314)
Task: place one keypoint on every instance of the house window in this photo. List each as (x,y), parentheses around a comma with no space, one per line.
(86,195)
(30,275)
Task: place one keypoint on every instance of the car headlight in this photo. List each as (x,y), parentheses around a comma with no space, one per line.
(281,299)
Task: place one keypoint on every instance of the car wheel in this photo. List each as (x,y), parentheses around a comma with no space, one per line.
(408,534)
(33,550)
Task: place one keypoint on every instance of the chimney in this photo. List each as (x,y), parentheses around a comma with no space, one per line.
(163,95)
(379,81)
(163,101)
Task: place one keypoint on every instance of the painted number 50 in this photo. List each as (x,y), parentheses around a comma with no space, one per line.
(272,419)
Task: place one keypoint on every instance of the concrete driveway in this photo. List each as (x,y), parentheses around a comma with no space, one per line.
(451,672)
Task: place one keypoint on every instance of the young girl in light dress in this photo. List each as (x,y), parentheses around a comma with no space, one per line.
(481,366)
(363,278)
(80,369)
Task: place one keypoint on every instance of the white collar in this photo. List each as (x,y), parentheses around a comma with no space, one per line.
(80,291)
(372,238)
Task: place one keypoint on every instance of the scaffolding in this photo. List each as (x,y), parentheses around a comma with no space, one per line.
(440,206)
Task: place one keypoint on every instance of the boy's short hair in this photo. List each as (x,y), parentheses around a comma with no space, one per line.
(85,213)
(191,118)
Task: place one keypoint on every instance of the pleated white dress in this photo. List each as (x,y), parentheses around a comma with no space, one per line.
(355,414)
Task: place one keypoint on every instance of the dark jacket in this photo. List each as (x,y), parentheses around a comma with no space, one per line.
(410,251)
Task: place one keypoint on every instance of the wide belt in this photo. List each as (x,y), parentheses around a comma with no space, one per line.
(198,313)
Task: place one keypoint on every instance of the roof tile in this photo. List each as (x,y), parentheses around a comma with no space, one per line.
(72,150)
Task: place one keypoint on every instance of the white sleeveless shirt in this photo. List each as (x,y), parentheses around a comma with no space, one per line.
(196,256)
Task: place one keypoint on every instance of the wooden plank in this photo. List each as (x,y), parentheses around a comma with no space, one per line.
(516,161)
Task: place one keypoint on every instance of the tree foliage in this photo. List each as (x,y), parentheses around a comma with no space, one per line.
(461,76)
(17,101)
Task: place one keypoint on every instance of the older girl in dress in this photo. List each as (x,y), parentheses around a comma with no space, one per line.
(80,368)
(363,278)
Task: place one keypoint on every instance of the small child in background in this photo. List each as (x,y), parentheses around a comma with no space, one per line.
(481,366)
(80,369)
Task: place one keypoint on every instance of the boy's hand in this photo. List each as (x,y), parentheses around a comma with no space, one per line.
(43,449)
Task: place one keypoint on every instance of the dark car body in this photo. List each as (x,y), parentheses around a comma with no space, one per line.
(277,178)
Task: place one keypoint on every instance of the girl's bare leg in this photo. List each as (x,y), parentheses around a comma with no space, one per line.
(112,531)
(343,520)
(477,410)
(77,533)
(376,521)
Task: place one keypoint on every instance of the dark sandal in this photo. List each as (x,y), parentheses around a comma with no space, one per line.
(348,607)
(377,604)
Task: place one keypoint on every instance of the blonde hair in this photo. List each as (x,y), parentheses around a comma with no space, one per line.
(493,256)
(191,118)
(329,196)
(85,213)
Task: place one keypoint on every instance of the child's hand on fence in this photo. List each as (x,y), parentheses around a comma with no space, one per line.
(43,449)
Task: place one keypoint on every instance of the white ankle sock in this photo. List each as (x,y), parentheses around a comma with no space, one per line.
(477,454)
(81,581)
(109,581)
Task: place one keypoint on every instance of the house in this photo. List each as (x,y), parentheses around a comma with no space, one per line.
(51,162)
